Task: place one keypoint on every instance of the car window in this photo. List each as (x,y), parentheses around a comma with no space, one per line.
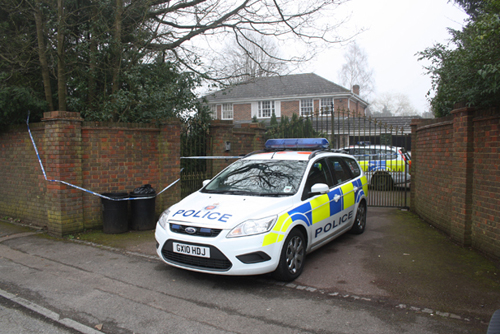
(319,173)
(259,178)
(383,154)
(361,153)
(353,166)
(339,169)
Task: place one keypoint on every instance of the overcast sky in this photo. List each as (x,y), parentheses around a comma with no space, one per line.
(395,31)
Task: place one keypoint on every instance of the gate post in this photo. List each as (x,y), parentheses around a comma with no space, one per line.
(63,152)
(414,164)
(169,147)
(220,132)
(461,190)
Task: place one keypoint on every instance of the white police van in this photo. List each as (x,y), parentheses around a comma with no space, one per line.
(265,212)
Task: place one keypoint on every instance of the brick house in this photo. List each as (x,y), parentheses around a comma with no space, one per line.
(302,94)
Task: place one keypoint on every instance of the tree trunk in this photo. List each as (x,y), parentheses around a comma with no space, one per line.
(61,68)
(117,44)
(92,64)
(117,54)
(43,57)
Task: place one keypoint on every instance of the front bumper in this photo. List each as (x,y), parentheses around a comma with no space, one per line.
(228,256)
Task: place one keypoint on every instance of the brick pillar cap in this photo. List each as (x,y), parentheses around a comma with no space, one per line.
(416,121)
(461,110)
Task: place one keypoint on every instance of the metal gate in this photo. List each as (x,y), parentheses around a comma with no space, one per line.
(194,143)
(381,145)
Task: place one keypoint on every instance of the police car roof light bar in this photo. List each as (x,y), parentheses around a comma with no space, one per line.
(297,143)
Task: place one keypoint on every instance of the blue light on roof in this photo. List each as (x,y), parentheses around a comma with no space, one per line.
(298,143)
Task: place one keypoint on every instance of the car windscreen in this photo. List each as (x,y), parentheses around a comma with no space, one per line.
(259,178)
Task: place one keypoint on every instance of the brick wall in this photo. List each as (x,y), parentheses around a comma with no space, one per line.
(455,176)
(432,161)
(242,111)
(23,188)
(117,158)
(100,157)
(486,183)
(288,108)
(340,105)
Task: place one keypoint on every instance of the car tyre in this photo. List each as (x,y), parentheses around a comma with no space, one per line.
(494,325)
(382,181)
(360,220)
(292,257)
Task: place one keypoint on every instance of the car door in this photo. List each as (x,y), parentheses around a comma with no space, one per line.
(343,195)
(328,214)
(321,218)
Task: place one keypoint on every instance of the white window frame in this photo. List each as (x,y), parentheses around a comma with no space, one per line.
(227,111)
(266,109)
(326,105)
(306,107)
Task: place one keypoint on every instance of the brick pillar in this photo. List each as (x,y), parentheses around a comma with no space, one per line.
(169,147)
(414,165)
(220,132)
(63,161)
(462,173)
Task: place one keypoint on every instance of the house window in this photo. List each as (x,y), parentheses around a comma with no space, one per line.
(326,106)
(306,107)
(227,111)
(266,109)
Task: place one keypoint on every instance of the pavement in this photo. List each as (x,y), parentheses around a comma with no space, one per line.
(400,262)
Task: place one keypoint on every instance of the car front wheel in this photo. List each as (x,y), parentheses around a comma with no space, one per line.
(292,257)
(360,221)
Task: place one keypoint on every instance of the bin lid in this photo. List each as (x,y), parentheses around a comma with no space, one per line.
(144,190)
(115,195)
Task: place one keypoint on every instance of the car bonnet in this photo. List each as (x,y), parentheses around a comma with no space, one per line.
(226,211)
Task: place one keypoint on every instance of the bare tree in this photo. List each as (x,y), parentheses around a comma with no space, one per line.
(103,41)
(252,58)
(183,23)
(395,104)
(356,70)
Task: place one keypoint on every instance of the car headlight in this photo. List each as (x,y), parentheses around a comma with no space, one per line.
(164,219)
(252,227)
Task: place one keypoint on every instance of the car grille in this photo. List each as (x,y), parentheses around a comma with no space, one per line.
(202,232)
(217,260)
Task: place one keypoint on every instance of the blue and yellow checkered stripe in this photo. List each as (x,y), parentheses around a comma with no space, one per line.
(318,209)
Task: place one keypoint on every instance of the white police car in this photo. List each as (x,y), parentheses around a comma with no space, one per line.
(265,212)
(385,166)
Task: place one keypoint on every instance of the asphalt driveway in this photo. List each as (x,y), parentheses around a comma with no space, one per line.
(399,262)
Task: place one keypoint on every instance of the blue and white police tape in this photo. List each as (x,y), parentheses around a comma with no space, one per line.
(83,189)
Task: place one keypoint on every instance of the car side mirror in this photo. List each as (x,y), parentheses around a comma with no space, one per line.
(206,182)
(319,188)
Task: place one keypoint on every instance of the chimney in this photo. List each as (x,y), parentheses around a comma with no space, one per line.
(355,89)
